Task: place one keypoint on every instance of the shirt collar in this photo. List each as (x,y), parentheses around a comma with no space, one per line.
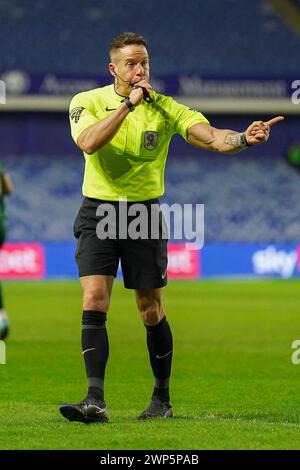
(118,94)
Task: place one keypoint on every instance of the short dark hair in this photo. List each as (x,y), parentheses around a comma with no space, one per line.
(125,39)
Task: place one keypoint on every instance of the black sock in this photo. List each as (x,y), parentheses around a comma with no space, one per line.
(160,347)
(95,350)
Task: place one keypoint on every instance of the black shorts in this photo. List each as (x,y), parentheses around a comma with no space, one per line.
(143,260)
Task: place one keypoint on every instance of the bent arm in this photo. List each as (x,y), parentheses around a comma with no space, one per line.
(100,133)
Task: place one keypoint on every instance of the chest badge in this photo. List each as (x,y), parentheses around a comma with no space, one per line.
(150,140)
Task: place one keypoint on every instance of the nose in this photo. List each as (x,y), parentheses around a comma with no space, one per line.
(140,70)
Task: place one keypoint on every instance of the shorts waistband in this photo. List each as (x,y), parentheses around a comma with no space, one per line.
(100,201)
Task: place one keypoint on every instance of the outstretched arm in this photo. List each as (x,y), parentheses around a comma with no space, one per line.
(227,141)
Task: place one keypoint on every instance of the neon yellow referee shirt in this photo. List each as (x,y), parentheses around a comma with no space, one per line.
(132,164)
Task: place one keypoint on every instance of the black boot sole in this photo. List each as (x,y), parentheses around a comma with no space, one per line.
(72,413)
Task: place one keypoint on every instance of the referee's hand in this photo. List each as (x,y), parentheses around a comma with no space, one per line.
(136,95)
(258,132)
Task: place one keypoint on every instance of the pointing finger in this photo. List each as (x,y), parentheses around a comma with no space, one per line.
(274,121)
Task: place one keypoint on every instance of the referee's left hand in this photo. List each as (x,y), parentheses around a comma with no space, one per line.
(258,132)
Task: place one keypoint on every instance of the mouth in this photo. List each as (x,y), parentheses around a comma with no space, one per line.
(137,80)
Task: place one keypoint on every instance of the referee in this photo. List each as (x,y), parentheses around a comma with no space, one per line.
(124,131)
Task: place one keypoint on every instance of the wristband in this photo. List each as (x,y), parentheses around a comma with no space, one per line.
(128,103)
(244,140)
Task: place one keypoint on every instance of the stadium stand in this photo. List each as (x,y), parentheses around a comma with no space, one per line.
(246,199)
(259,201)
(73,37)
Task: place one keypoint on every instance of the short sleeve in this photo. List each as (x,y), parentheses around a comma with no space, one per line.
(183,117)
(82,114)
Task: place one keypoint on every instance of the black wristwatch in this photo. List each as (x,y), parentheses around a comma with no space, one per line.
(128,103)
(244,140)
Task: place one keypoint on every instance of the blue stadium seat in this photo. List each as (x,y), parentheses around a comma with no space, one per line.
(217,37)
(246,199)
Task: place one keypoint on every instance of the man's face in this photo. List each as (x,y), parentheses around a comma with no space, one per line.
(131,63)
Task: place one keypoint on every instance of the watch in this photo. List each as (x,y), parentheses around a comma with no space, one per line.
(244,140)
(128,103)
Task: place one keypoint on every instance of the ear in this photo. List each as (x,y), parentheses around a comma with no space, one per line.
(111,68)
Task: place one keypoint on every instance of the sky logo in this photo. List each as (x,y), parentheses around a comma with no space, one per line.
(273,261)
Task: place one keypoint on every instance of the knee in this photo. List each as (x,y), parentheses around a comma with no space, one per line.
(151,312)
(95,299)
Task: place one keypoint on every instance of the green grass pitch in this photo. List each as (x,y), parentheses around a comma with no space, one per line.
(233,384)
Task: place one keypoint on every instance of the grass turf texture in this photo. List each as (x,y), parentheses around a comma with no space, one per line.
(233,386)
